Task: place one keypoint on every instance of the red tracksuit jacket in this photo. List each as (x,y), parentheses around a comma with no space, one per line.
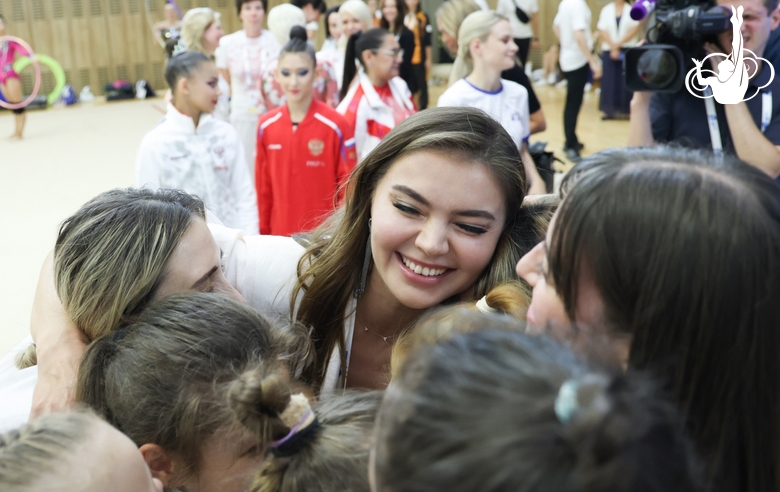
(297,173)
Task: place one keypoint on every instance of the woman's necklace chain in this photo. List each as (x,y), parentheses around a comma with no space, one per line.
(385,338)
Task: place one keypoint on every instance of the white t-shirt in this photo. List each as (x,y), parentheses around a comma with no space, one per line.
(507,9)
(508,105)
(608,22)
(573,15)
(246,59)
(207,161)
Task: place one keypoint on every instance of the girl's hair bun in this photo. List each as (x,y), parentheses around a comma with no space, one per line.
(299,33)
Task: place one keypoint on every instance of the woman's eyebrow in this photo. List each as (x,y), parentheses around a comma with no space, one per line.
(463,213)
(413,194)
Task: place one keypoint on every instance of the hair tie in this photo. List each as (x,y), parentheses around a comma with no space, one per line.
(484,307)
(302,429)
(566,402)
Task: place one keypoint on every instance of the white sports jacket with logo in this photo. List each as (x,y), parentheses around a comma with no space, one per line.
(207,161)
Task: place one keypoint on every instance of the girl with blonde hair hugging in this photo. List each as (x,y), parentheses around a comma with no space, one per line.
(105,269)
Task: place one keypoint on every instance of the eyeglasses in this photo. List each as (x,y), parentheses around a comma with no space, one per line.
(398,52)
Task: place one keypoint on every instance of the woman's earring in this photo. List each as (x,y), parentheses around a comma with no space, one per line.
(367,259)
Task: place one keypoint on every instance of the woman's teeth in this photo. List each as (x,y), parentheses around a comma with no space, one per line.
(424,271)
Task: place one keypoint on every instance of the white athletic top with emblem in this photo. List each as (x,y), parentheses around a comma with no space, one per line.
(207,161)
(508,105)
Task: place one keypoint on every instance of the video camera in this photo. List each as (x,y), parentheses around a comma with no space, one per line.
(676,33)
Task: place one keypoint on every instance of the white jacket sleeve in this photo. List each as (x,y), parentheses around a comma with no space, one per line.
(262,268)
(243,189)
(147,167)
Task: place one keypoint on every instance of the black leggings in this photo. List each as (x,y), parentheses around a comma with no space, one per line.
(525,47)
(576,80)
(418,72)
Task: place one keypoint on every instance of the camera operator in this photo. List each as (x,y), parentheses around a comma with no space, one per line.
(682,118)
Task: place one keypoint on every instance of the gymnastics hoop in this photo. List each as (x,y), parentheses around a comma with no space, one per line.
(34,60)
(56,70)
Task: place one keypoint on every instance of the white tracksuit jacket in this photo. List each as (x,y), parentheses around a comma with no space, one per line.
(207,161)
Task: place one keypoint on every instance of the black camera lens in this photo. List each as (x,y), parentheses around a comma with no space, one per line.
(657,69)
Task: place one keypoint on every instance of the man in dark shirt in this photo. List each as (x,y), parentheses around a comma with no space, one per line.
(744,128)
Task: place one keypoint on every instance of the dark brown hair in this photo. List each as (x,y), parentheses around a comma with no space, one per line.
(359,42)
(485,411)
(399,26)
(240,3)
(331,456)
(684,249)
(164,378)
(325,286)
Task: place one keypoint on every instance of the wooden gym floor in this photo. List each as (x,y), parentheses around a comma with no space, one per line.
(70,155)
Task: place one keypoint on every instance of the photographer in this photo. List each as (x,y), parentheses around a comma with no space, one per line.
(750,129)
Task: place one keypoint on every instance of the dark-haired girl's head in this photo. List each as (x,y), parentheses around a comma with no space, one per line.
(393,13)
(246,7)
(319,449)
(193,79)
(499,410)
(296,70)
(378,53)
(678,253)
(332,24)
(298,45)
(163,381)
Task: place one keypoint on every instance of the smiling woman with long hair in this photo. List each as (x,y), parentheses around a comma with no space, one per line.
(433,215)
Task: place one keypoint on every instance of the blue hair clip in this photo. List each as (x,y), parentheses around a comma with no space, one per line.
(566,401)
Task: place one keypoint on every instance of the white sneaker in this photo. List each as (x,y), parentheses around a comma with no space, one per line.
(587,87)
(551,79)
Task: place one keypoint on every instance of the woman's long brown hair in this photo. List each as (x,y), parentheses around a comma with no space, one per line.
(329,270)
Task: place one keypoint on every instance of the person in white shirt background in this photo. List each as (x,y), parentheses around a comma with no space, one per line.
(242,59)
(193,151)
(485,49)
(524,18)
(572,25)
(617,32)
